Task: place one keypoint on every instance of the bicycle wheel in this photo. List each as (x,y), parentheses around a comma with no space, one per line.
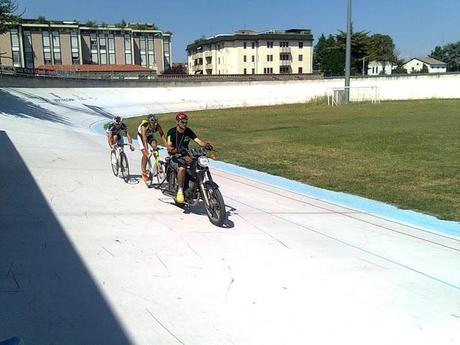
(160,173)
(114,163)
(149,182)
(124,167)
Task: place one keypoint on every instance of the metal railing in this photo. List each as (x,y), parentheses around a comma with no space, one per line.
(37,72)
(153,77)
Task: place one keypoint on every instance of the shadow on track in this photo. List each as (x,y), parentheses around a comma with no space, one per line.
(47,295)
(15,106)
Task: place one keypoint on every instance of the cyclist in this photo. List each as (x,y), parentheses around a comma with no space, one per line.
(115,132)
(146,135)
(178,140)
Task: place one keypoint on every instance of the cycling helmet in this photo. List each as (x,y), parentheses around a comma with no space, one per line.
(152,118)
(118,119)
(181,116)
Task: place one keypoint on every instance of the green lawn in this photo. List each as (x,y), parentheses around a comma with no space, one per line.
(403,153)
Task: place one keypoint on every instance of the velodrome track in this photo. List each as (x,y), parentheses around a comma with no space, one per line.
(88,259)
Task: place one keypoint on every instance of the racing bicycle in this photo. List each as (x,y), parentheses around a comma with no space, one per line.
(156,169)
(119,161)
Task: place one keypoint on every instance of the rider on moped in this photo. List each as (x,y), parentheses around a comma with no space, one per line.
(178,139)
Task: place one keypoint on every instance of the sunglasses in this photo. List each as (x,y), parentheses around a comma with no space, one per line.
(183,121)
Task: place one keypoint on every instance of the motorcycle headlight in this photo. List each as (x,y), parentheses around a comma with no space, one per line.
(203,161)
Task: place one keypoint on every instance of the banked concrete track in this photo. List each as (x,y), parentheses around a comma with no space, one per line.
(88,259)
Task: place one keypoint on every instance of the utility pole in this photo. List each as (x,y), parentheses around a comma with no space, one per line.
(348,57)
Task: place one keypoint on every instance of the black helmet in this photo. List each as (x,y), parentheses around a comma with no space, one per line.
(118,119)
(152,118)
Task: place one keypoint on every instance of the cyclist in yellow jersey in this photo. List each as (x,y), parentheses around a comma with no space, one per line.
(146,136)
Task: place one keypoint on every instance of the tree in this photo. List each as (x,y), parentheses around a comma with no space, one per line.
(121,24)
(91,23)
(329,54)
(328,57)
(381,48)
(450,54)
(319,53)
(7,10)
(399,67)
(359,48)
(42,20)
(178,68)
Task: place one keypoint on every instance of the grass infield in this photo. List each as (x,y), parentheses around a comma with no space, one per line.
(405,153)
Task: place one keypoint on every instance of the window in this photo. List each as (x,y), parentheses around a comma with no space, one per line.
(253,58)
(56,48)
(15,48)
(16,59)
(103,48)
(253,71)
(300,45)
(300,70)
(300,57)
(128,54)
(269,44)
(46,39)
(244,45)
(94,58)
(166,52)
(284,44)
(47,58)
(56,40)
(28,51)
(93,41)
(244,58)
(269,57)
(284,57)
(93,46)
(142,50)
(284,69)
(111,43)
(75,48)
(253,45)
(268,70)
(218,61)
(46,48)
(245,71)
(151,51)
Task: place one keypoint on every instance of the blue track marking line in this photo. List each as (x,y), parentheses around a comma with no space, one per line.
(378,208)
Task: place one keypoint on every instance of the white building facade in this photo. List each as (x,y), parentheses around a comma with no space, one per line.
(379,68)
(249,52)
(433,65)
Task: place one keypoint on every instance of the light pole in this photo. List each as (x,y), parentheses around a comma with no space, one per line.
(348,57)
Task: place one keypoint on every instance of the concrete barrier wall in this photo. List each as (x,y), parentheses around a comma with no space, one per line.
(183,96)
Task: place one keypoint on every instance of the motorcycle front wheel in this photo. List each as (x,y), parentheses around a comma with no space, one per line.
(215,208)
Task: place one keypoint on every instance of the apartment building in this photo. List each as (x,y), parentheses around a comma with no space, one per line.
(250,52)
(35,43)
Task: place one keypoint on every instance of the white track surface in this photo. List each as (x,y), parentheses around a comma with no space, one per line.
(104,262)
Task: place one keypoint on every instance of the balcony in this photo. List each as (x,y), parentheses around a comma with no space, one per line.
(285,49)
(285,62)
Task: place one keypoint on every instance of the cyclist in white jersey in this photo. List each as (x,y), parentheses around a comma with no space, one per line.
(146,136)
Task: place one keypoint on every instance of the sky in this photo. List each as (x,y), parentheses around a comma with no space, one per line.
(416,26)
